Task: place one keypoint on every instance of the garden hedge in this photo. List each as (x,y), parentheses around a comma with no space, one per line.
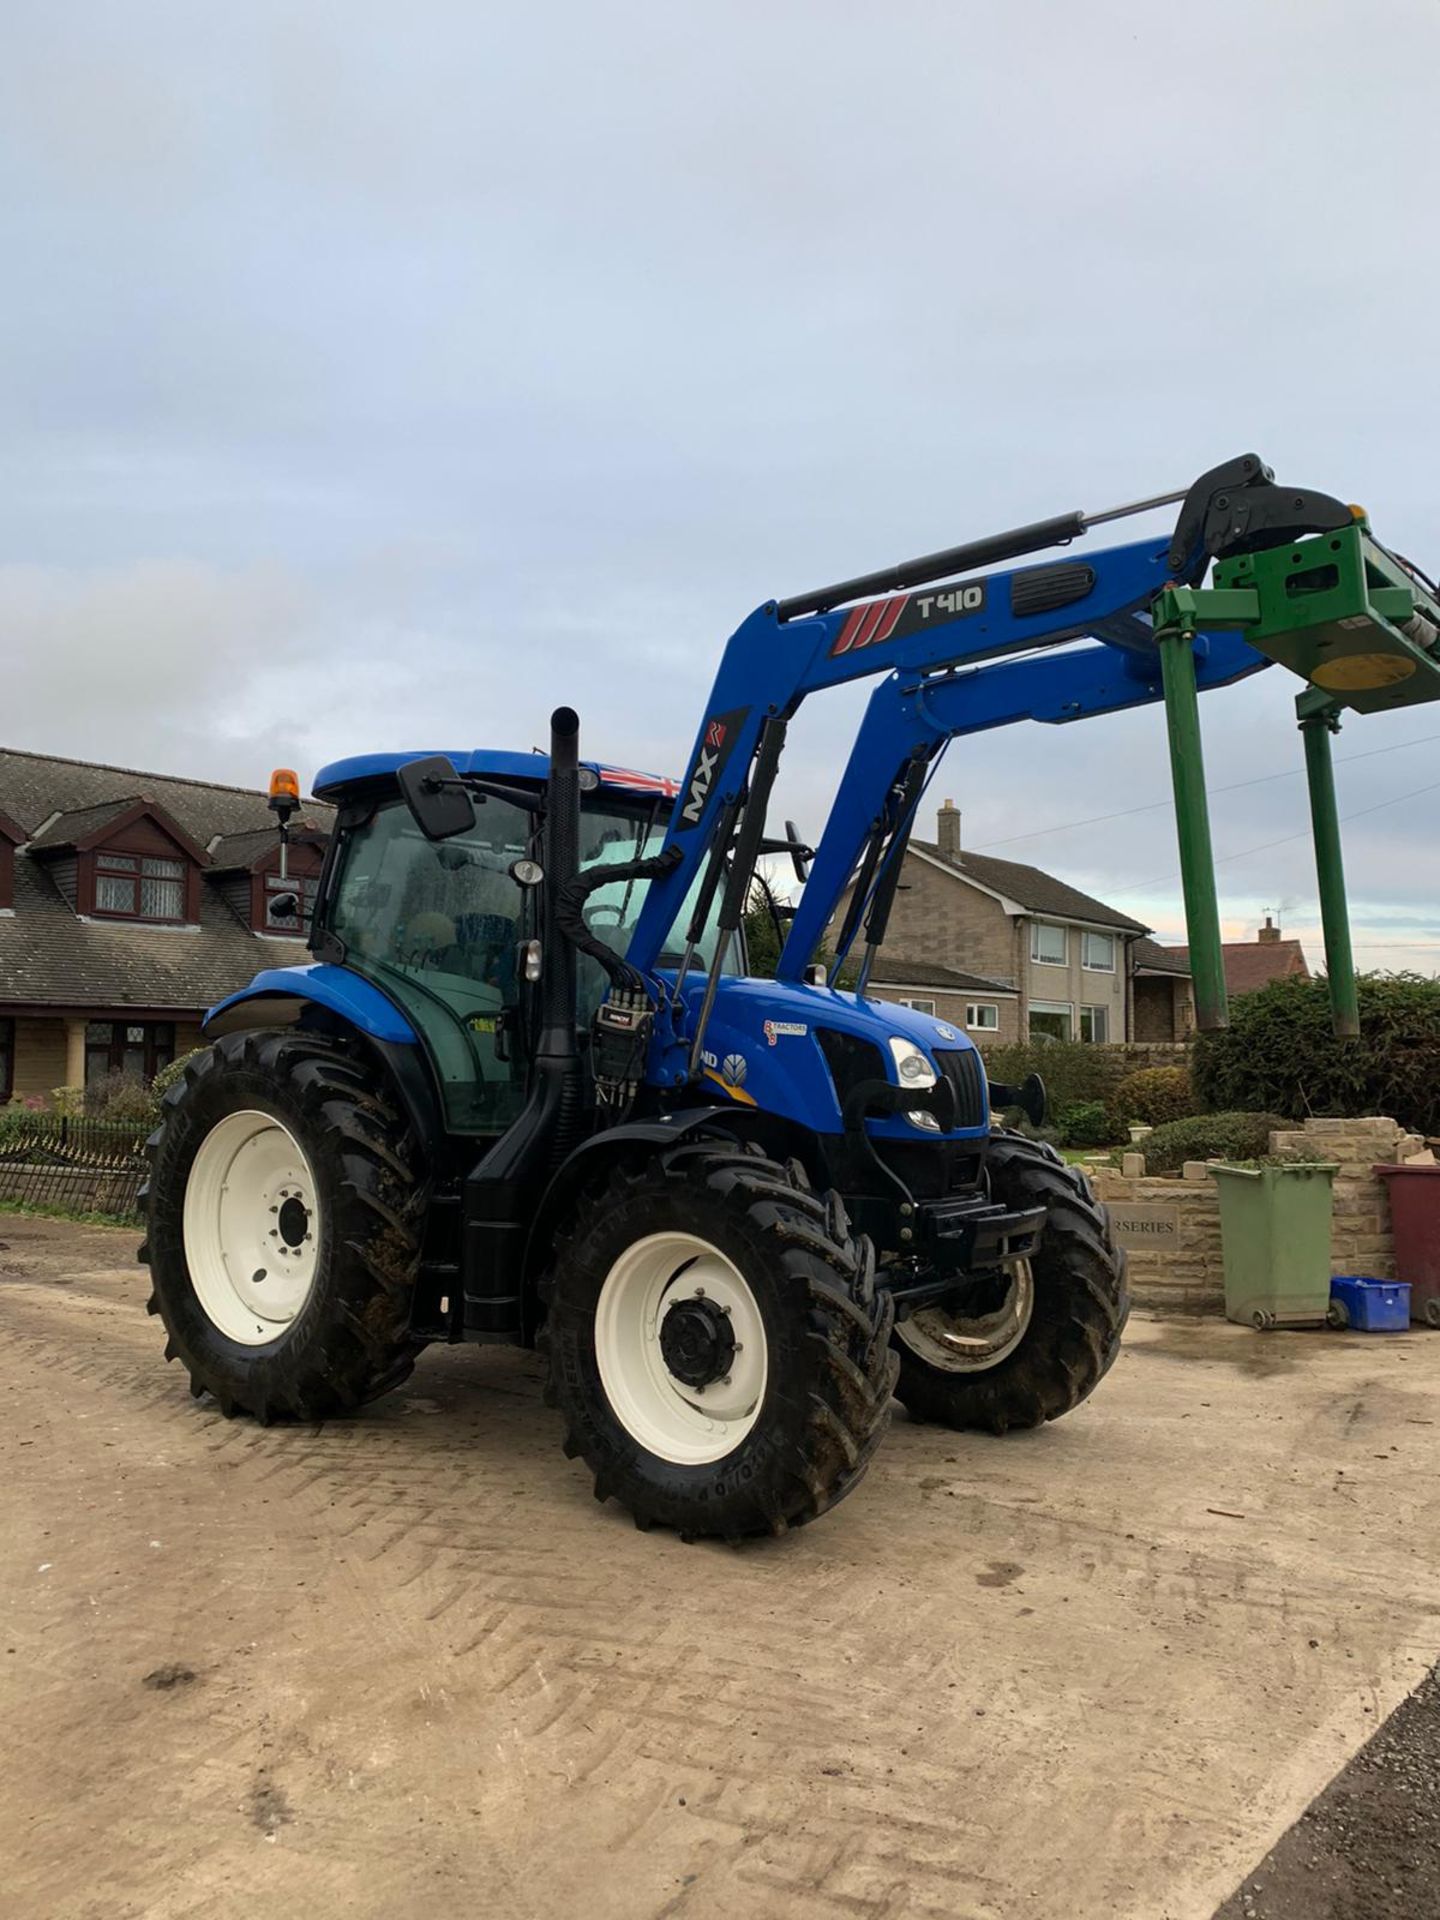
(1279,1053)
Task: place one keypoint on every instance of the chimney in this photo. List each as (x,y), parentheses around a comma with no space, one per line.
(1269,933)
(947,830)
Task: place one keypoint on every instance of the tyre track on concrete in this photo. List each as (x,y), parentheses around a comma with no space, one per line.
(461,1679)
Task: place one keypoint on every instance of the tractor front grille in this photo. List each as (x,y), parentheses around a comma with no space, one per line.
(962,1068)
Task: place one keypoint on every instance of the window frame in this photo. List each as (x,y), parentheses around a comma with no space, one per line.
(109,863)
(1091,1038)
(918,1006)
(158,1041)
(1088,934)
(1038,959)
(1063,1007)
(982,1026)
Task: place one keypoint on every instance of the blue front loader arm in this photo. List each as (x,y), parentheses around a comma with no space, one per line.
(770,665)
(909,715)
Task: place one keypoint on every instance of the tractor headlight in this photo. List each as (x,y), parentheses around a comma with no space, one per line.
(911,1064)
(919,1117)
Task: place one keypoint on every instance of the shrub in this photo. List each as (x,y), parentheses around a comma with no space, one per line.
(1073,1070)
(1151,1097)
(1209,1136)
(167,1076)
(119,1097)
(1279,1052)
(1048,1136)
(1085,1123)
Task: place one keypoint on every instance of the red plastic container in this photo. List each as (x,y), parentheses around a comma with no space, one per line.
(1415,1213)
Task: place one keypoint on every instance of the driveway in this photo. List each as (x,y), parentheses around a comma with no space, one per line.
(405,1665)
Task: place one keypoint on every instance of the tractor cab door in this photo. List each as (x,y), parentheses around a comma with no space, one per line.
(438,925)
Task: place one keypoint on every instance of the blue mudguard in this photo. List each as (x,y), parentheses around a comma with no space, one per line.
(338,990)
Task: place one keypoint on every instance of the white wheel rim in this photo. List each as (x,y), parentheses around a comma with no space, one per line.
(957,1343)
(685,1425)
(252,1227)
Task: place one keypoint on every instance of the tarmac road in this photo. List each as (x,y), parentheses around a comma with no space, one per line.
(406,1666)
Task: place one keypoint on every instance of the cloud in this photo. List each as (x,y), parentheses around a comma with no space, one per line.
(381,380)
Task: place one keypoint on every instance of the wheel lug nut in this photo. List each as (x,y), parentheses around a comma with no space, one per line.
(699,1293)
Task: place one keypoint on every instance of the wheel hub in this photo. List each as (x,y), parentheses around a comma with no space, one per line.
(697,1341)
(251,1226)
(978,1333)
(681,1348)
(293,1220)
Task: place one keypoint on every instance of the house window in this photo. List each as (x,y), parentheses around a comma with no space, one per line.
(305,890)
(1095,1024)
(982,1015)
(1097,952)
(7,1058)
(1052,1019)
(135,886)
(918,1006)
(134,1049)
(1048,944)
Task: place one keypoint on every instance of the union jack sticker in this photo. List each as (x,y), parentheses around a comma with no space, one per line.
(634,782)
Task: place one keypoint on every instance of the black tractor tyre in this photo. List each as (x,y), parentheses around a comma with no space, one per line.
(1081,1303)
(350,1340)
(829,1370)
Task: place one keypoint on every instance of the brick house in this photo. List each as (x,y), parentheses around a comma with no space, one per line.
(1048,958)
(1255,963)
(987,1008)
(129,903)
(1162,997)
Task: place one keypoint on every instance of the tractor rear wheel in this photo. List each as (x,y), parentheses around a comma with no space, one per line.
(1050,1330)
(717,1343)
(285,1210)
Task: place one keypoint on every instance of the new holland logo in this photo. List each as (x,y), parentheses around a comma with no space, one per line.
(717,739)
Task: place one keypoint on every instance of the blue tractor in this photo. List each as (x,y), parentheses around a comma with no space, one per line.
(527,1093)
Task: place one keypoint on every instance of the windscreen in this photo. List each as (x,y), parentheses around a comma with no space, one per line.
(438,925)
(610,836)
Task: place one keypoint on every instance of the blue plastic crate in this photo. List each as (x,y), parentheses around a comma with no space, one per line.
(1370,1306)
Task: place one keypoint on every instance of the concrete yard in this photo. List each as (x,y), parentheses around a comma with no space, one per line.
(406,1666)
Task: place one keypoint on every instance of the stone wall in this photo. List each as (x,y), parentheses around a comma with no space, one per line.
(1171,1228)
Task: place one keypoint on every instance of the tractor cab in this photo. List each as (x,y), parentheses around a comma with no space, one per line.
(450,929)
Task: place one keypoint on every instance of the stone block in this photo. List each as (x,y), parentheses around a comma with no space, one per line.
(1132,1165)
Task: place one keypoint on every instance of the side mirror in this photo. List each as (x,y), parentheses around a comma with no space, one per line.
(800,854)
(440,804)
(1029,1097)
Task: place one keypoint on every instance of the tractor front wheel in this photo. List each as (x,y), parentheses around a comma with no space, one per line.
(1039,1339)
(717,1343)
(285,1210)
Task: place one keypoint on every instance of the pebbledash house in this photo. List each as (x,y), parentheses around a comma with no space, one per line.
(129,903)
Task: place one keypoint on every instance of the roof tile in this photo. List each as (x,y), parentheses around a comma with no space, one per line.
(1032,889)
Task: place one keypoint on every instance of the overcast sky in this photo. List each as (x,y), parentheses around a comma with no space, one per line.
(374,376)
